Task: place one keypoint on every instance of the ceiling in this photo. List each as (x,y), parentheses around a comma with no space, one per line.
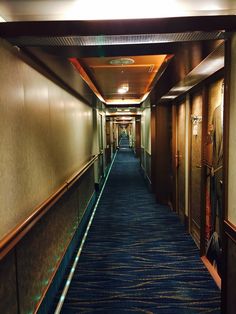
(65,37)
(121,80)
(51,10)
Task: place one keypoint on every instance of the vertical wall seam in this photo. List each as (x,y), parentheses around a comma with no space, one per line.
(187,137)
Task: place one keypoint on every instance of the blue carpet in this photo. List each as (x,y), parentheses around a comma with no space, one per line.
(137,257)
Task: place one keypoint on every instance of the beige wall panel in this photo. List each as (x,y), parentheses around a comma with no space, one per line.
(37,138)
(58,133)
(13,144)
(45,136)
(8,295)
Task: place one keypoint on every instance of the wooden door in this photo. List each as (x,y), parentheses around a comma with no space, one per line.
(180,160)
(195,167)
(108,142)
(138,137)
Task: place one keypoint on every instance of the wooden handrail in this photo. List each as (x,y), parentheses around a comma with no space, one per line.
(9,241)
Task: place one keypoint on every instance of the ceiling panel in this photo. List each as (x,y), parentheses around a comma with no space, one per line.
(135,76)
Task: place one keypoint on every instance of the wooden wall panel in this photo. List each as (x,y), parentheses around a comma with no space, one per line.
(163,158)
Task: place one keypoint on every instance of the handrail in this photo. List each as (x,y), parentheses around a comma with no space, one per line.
(16,234)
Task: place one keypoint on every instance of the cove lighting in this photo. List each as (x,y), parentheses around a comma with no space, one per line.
(124,9)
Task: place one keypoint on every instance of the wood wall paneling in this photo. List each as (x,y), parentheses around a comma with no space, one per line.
(153,147)
(163,160)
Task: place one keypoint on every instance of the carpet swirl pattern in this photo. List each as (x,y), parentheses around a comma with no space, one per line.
(137,257)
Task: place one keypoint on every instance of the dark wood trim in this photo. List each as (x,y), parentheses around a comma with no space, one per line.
(227,83)
(203,171)
(112,50)
(206,82)
(174,159)
(8,242)
(189,130)
(230,230)
(153,147)
(119,27)
(188,155)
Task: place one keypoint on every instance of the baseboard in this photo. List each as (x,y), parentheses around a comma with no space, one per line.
(58,278)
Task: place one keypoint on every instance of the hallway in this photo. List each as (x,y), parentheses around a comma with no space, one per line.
(137,257)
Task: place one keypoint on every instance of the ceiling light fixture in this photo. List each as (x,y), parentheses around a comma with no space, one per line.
(123,89)
(120,61)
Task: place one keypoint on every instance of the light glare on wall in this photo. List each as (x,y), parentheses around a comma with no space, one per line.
(2,20)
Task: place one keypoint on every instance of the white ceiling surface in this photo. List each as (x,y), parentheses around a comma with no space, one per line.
(42,10)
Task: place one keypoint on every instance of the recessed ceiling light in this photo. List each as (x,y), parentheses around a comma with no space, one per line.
(123,89)
(121,61)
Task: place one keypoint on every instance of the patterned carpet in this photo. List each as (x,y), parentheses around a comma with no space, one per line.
(137,257)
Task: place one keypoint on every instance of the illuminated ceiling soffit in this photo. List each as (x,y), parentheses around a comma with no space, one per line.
(22,10)
(121,80)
